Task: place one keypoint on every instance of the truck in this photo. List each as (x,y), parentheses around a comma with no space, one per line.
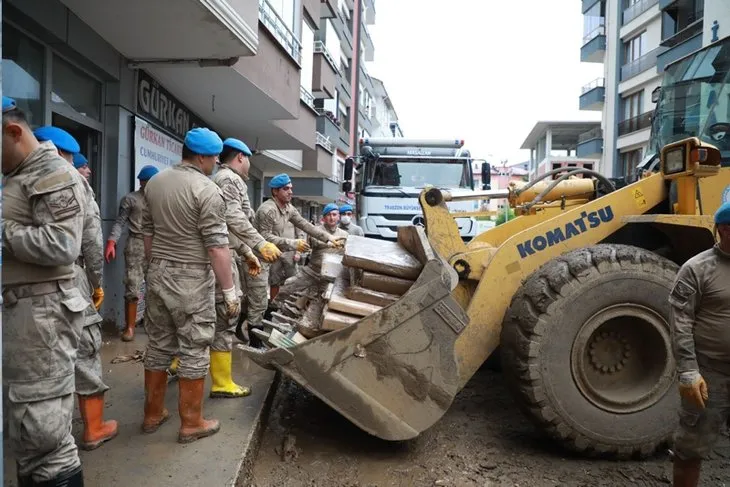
(574,291)
(393,171)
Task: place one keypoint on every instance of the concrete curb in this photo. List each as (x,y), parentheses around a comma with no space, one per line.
(244,477)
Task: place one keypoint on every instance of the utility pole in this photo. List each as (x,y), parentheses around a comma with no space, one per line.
(355,78)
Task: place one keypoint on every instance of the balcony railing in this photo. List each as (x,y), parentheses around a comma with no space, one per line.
(598,31)
(631,69)
(321,48)
(324,142)
(279,29)
(306,97)
(635,124)
(596,133)
(694,28)
(596,83)
(638,8)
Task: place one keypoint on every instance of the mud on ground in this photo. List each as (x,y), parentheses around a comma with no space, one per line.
(483,440)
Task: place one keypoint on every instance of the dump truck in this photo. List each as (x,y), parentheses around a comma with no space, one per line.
(574,291)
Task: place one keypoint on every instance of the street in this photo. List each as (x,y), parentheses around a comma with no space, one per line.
(483,440)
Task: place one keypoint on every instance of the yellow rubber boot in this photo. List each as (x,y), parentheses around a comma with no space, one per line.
(220,373)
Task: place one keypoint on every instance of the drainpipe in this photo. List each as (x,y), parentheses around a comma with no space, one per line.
(355,78)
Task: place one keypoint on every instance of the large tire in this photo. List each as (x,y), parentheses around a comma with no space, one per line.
(571,355)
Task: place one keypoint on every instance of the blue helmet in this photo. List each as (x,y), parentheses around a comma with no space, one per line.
(60,138)
(279,181)
(147,172)
(203,141)
(722,215)
(80,161)
(329,208)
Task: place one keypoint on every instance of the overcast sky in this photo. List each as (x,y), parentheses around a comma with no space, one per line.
(482,70)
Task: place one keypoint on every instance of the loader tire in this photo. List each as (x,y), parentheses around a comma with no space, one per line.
(586,350)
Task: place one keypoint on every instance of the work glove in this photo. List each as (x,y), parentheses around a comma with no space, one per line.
(254,266)
(336,242)
(693,388)
(269,251)
(233,305)
(98,298)
(302,245)
(110,253)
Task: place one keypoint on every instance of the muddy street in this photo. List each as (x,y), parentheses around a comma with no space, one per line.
(483,440)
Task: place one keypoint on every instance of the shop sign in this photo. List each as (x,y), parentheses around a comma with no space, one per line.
(153,147)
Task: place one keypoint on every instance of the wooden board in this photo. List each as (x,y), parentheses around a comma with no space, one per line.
(339,303)
(385,284)
(414,240)
(335,321)
(369,296)
(381,256)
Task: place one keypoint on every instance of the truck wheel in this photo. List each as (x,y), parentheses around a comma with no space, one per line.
(586,349)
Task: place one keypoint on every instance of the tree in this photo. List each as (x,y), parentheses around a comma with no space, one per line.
(504,216)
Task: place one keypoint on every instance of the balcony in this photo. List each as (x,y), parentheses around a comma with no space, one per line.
(306,97)
(369,51)
(679,45)
(325,72)
(633,11)
(631,125)
(592,95)
(328,9)
(279,30)
(587,4)
(594,46)
(327,125)
(665,3)
(312,9)
(320,159)
(638,66)
(590,144)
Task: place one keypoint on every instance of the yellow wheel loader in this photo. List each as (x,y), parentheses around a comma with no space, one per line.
(574,291)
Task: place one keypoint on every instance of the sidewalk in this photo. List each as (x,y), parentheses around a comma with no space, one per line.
(156,460)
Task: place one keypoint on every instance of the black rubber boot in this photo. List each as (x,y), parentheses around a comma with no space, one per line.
(72,478)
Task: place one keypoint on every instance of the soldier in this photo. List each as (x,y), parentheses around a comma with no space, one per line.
(346,221)
(242,238)
(90,388)
(132,209)
(271,218)
(82,165)
(286,266)
(186,237)
(43,219)
(309,280)
(700,305)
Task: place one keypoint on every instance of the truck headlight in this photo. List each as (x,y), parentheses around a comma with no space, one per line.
(674,160)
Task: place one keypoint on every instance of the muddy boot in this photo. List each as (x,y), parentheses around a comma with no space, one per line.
(155,386)
(686,473)
(130,308)
(70,478)
(96,430)
(220,373)
(193,426)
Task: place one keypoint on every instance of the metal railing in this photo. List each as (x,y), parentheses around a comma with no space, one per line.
(279,29)
(636,9)
(692,29)
(632,68)
(324,142)
(306,97)
(635,124)
(596,83)
(596,133)
(598,31)
(321,47)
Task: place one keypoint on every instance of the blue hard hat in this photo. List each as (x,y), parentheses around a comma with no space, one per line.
(279,181)
(80,160)
(328,208)
(147,172)
(345,208)
(238,145)
(203,141)
(8,104)
(60,138)
(722,215)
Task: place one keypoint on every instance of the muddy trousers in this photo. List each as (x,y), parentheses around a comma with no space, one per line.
(88,372)
(256,293)
(225,327)
(42,323)
(305,282)
(135,267)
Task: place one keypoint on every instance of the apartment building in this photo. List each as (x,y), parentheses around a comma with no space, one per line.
(386,122)
(635,40)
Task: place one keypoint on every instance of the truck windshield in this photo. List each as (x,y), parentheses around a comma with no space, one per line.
(417,174)
(695,99)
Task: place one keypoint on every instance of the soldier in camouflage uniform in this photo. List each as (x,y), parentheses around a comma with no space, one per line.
(132,209)
(346,214)
(271,219)
(286,266)
(309,279)
(43,219)
(700,305)
(186,237)
(242,238)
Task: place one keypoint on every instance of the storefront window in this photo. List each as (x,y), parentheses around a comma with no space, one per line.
(76,90)
(23,73)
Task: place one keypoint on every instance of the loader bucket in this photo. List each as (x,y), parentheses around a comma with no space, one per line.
(393,373)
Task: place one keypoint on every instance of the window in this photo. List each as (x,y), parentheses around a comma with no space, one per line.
(307,56)
(593,21)
(635,48)
(23,73)
(75,89)
(630,160)
(332,41)
(330,104)
(633,105)
(680,15)
(285,10)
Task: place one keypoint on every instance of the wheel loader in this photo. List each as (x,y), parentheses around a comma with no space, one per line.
(574,291)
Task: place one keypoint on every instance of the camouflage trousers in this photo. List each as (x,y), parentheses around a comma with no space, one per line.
(224,326)
(91,316)
(306,282)
(88,359)
(282,269)
(179,316)
(700,429)
(40,339)
(256,294)
(135,267)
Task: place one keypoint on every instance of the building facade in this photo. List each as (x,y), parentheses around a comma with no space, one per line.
(385,123)
(635,40)
(553,145)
